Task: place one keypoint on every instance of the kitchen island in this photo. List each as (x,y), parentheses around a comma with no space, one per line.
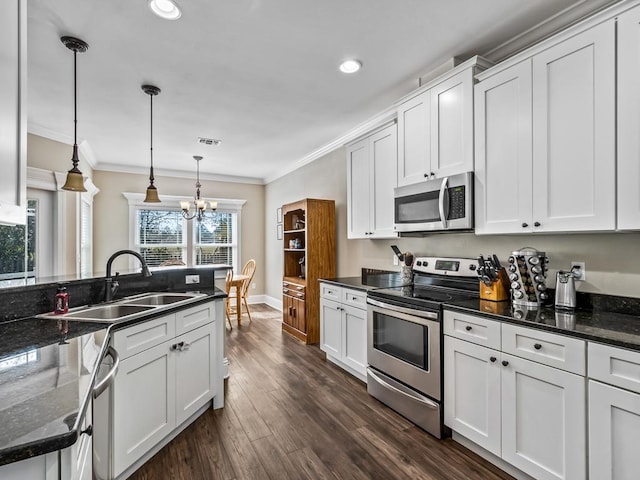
(49,367)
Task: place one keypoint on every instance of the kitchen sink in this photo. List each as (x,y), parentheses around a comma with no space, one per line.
(107,313)
(161,299)
(127,308)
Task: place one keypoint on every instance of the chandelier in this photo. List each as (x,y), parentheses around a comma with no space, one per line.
(200,205)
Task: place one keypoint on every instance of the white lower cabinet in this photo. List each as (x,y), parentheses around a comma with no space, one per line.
(530,414)
(472,392)
(614,413)
(343,328)
(543,420)
(160,387)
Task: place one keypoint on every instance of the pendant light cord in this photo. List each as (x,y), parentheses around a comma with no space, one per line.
(75,99)
(151,179)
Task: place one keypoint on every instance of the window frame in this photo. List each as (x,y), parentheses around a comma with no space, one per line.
(172,202)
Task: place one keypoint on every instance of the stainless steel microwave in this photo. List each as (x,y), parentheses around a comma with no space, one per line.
(441,204)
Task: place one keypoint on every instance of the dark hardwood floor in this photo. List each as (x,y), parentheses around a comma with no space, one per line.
(289,414)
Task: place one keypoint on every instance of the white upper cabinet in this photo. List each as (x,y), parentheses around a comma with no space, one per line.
(545,138)
(435,126)
(414,152)
(629,120)
(452,125)
(13,114)
(371,178)
(503,187)
(574,133)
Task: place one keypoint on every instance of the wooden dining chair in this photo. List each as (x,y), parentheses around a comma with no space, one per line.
(227,301)
(249,270)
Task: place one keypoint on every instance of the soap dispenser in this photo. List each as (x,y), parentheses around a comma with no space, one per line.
(62,301)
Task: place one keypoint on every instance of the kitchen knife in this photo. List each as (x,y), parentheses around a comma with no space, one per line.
(398,253)
(496,261)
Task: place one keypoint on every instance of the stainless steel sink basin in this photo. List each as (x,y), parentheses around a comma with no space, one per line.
(161,299)
(127,308)
(106,313)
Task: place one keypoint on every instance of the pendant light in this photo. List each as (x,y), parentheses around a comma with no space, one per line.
(75,181)
(152,191)
(199,204)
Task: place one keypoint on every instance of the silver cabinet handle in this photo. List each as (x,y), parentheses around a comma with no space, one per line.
(441,202)
(108,379)
(428,403)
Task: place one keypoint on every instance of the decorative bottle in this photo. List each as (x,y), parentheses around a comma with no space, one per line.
(62,301)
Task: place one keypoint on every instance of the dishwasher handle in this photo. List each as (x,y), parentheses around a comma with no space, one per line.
(108,379)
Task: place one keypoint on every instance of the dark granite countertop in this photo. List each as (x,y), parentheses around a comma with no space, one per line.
(602,326)
(369,280)
(47,372)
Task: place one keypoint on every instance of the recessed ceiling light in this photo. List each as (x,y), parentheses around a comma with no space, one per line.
(350,66)
(167,9)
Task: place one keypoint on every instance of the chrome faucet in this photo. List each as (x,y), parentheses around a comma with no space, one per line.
(111,285)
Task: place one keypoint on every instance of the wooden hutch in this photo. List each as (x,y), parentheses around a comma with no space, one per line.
(309,253)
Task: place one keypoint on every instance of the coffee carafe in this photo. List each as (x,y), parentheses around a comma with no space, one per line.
(565,290)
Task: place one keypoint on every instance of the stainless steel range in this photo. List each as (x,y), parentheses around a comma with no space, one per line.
(404,338)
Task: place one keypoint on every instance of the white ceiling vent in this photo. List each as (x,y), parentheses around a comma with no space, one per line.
(209,141)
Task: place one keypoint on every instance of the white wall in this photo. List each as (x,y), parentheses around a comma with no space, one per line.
(56,157)
(612,264)
(111,215)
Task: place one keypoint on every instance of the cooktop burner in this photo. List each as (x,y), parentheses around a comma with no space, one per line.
(436,281)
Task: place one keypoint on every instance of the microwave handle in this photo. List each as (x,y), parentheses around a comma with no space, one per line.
(443,202)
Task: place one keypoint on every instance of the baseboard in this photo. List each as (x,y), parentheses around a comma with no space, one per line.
(347,368)
(272,302)
(490,457)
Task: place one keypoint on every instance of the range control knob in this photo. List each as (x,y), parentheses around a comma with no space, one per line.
(419,263)
(472,266)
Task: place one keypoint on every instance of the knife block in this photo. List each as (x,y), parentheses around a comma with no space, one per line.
(497,290)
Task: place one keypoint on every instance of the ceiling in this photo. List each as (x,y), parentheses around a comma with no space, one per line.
(261,75)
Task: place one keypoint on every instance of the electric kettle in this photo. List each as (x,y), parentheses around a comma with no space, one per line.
(565,290)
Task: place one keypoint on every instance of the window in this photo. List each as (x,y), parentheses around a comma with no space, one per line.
(18,250)
(163,236)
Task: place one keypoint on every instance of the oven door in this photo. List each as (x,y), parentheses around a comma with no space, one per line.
(405,344)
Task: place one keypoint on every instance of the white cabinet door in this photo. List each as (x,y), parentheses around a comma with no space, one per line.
(503,146)
(358,189)
(543,420)
(144,404)
(452,125)
(195,370)
(628,124)
(472,392)
(354,338)
(384,162)
(331,327)
(574,133)
(614,432)
(13,112)
(414,127)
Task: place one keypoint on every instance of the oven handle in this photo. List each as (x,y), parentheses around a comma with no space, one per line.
(408,311)
(418,398)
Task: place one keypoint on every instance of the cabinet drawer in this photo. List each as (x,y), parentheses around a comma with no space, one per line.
(331,292)
(479,330)
(547,348)
(145,335)
(617,366)
(355,298)
(192,318)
